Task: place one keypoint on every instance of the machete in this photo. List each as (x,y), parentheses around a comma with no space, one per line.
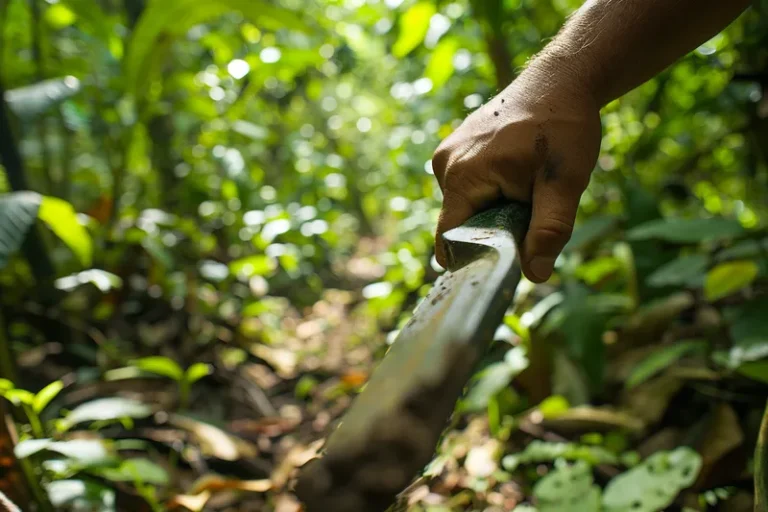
(392,428)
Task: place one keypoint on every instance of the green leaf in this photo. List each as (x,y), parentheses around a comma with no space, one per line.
(80,495)
(160,365)
(413,24)
(18,212)
(59,16)
(84,451)
(19,397)
(685,231)
(729,277)
(587,232)
(106,409)
(654,484)
(553,406)
(440,67)
(197,371)
(755,370)
(101,279)
(45,395)
(256,265)
(661,360)
(62,219)
(748,330)
(684,271)
(568,488)
(495,378)
(136,470)
(162,21)
(537,452)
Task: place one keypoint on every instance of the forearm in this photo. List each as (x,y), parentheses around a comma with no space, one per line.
(609,47)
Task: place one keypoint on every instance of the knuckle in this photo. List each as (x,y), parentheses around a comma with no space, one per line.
(554,229)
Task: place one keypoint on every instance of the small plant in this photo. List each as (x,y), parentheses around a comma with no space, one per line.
(167,367)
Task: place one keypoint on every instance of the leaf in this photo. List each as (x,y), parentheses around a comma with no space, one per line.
(749,331)
(687,230)
(105,409)
(493,379)
(101,279)
(164,20)
(554,406)
(62,219)
(31,101)
(590,231)
(660,360)
(413,25)
(29,447)
(136,470)
(256,265)
(197,371)
(685,270)
(45,395)
(80,495)
(538,451)
(18,212)
(19,397)
(160,365)
(440,67)
(654,484)
(729,277)
(568,488)
(755,370)
(59,16)
(84,451)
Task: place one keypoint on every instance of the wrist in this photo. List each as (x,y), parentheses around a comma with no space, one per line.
(552,74)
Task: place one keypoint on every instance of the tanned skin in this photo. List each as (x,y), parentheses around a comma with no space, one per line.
(539,139)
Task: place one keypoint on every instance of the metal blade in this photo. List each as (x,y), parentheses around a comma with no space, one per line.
(390,432)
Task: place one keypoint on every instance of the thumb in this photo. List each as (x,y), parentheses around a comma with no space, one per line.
(554,212)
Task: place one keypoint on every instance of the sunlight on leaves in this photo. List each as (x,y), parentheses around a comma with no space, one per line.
(413,25)
(62,220)
(730,277)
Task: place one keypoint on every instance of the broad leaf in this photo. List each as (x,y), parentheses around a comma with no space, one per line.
(685,231)
(256,265)
(62,219)
(729,277)
(654,484)
(440,67)
(29,447)
(197,371)
(493,379)
(18,212)
(81,495)
(160,365)
(107,409)
(413,25)
(537,452)
(101,279)
(684,271)
(45,395)
(164,20)
(568,488)
(136,470)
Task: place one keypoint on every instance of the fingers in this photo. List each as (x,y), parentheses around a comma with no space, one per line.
(555,203)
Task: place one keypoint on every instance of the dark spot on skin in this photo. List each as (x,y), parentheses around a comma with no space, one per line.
(542,145)
(552,167)
(502,100)
(496,113)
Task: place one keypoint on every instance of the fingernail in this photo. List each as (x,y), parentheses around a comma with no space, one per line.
(541,267)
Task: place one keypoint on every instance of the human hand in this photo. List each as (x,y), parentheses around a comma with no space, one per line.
(537,142)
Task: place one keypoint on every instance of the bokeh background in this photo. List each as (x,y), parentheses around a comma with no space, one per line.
(215,216)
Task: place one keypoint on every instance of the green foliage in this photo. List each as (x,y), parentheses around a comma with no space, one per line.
(413,26)
(106,409)
(165,20)
(686,231)
(662,359)
(727,278)
(18,212)
(61,218)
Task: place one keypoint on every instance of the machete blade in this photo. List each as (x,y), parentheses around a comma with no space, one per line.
(392,428)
